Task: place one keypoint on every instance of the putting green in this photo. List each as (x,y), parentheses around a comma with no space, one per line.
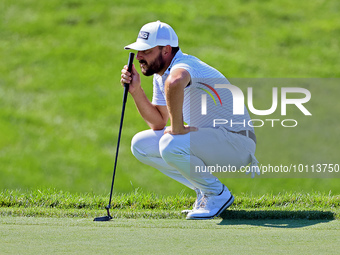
(24,235)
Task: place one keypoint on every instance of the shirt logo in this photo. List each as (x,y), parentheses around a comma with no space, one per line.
(143,35)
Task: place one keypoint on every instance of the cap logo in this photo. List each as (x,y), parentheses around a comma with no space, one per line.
(143,35)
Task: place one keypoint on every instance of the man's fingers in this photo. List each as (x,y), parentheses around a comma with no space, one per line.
(125,72)
(132,78)
(252,171)
(189,128)
(167,130)
(128,75)
(125,76)
(184,131)
(125,79)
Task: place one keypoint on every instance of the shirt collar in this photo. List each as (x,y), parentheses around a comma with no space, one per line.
(178,55)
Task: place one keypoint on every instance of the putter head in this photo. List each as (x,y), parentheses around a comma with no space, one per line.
(103,218)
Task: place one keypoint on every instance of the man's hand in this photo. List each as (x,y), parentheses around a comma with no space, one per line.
(186,129)
(253,171)
(132,78)
(253,168)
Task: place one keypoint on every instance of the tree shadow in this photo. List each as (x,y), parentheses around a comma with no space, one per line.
(275,218)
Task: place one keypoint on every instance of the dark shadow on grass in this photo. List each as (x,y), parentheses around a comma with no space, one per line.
(275,218)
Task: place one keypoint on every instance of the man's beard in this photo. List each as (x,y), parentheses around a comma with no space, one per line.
(155,67)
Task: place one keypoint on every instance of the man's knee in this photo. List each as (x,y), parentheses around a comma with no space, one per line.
(137,144)
(145,144)
(171,147)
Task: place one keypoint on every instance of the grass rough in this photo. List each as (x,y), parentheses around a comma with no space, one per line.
(53,203)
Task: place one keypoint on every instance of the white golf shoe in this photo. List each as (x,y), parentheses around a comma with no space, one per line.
(197,202)
(212,206)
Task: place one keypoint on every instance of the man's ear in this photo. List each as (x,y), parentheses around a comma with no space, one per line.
(166,51)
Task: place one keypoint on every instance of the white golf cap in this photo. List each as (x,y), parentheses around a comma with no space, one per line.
(154,34)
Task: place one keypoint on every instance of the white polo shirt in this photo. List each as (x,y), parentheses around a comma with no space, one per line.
(219,101)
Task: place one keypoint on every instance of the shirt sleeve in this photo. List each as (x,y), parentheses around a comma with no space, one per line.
(158,97)
(184,66)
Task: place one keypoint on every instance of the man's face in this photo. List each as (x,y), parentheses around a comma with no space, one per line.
(151,61)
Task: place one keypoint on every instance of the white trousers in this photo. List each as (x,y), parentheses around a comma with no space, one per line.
(177,156)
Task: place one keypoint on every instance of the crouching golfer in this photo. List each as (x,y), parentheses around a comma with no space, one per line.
(184,90)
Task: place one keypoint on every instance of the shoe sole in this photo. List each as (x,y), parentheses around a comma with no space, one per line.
(224,207)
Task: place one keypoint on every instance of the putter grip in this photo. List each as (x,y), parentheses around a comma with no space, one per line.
(130,62)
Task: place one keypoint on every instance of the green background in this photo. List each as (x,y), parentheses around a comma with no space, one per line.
(60,95)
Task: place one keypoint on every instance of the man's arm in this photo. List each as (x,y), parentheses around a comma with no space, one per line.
(174,92)
(156,116)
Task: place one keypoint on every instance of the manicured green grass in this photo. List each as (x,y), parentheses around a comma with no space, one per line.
(146,223)
(23,235)
(60,97)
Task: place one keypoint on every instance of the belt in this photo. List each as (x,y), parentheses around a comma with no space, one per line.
(246,133)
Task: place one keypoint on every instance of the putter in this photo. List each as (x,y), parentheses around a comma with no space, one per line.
(126,90)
